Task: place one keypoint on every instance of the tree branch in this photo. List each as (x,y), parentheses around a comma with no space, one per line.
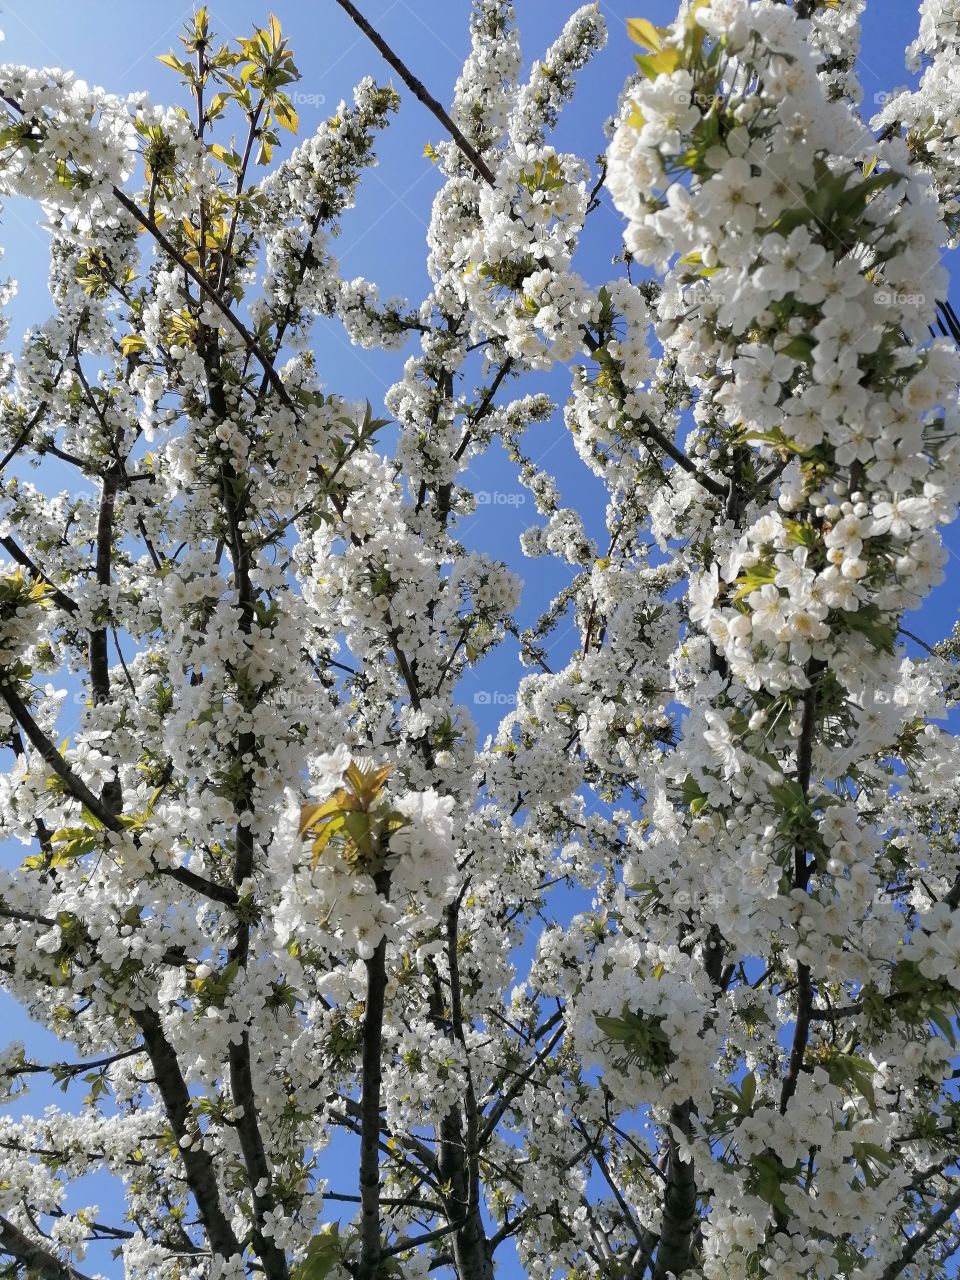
(82,793)
(801,878)
(470,1247)
(24,435)
(370,1085)
(208,291)
(52,757)
(200,1170)
(37,1260)
(59,598)
(679,1203)
(651,429)
(419,91)
(922,1237)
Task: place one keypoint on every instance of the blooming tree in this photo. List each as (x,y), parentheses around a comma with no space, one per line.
(661,979)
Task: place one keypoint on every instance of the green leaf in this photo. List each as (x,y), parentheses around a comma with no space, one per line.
(663,63)
(767,1181)
(170,60)
(775,438)
(869,621)
(644,33)
(942,1022)
(753,579)
(787,795)
(284,114)
(800,534)
(130,343)
(855,1074)
(323,1254)
(800,348)
(791,219)
(691,793)
(856,200)
(748,1091)
(70,843)
(868,1155)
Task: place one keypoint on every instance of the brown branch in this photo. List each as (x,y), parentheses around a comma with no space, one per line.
(470,1246)
(394,1202)
(445,491)
(371,1243)
(238,189)
(801,878)
(503,1102)
(679,1202)
(22,438)
(922,1237)
(17,553)
(54,760)
(644,1237)
(651,429)
(37,1260)
(82,793)
(74,1068)
(239,1059)
(26,917)
(99,660)
(205,288)
(199,884)
(419,91)
(198,1163)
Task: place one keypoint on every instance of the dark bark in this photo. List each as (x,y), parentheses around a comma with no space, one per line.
(201,1175)
(419,91)
(37,1260)
(371,1234)
(922,1237)
(252,1147)
(801,878)
(52,757)
(680,1212)
(471,1250)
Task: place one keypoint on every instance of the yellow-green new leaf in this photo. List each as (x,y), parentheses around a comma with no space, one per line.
(662,63)
(130,343)
(323,1254)
(313,814)
(284,113)
(644,33)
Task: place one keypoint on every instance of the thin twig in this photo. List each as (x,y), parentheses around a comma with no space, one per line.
(419,91)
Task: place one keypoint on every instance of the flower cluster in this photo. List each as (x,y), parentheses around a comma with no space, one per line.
(353,891)
(389,906)
(926,117)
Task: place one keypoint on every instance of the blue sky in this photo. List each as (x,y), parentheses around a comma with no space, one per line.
(116,45)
